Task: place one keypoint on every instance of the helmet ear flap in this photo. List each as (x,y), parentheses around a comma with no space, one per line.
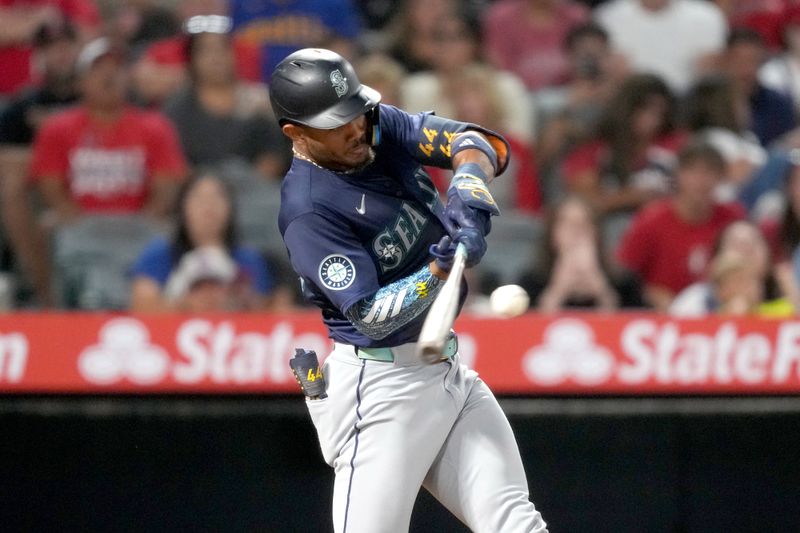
(374,125)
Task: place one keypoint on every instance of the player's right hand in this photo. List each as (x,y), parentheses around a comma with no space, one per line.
(445,249)
(469,202)
(460,215)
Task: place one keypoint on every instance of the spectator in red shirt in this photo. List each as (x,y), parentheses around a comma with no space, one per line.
(104,156)
(669,241)
(764,16)
(19,21)
(525,36)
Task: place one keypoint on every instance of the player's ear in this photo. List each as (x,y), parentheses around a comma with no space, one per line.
(293,131)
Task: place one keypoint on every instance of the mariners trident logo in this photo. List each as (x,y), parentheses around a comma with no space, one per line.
(337,272)
(339,83)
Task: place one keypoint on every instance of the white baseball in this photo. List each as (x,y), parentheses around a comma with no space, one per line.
(509,301)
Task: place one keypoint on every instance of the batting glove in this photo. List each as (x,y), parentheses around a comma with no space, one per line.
(469,202)
(444,251)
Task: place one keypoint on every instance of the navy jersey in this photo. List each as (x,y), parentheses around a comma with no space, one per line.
(350,234)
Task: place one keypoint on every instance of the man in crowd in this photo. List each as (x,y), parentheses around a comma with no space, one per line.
(105,156)
(55,49)
(670,241)
(675,39)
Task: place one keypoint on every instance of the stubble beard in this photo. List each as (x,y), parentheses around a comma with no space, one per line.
(370,157)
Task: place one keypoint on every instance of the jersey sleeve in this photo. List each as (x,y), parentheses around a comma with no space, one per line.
(426,137)
(327,254)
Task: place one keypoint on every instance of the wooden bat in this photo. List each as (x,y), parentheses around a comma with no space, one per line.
(442,313)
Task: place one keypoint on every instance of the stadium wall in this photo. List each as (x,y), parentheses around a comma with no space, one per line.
(244,464)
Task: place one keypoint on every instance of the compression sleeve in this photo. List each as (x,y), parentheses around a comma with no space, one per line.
(396,304)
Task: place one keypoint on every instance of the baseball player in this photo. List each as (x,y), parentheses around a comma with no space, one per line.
(372,244)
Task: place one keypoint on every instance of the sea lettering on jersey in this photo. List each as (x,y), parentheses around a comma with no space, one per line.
(430,195)
(106,173)
(393,243)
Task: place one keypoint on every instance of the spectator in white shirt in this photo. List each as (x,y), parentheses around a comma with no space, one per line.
(675,39)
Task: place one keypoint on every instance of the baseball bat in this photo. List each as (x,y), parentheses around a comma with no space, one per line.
(442,313)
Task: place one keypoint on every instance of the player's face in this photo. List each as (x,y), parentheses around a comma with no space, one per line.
(342,148)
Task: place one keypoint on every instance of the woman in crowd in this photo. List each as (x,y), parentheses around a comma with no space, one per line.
(573,271)
(783,234)
(202,268)
(219,117)
(631,157)
(737,279)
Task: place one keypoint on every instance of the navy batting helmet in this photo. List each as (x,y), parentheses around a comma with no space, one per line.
(320,89)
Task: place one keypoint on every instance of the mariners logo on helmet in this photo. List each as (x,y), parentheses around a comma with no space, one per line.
(300,91)
(339,83)
(337,272)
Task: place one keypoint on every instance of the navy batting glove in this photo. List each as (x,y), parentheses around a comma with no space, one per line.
(473,241)
(469,202)
(460,215)
(444,252)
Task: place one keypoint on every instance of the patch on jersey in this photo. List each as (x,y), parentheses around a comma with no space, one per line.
(337,272)
(339,83)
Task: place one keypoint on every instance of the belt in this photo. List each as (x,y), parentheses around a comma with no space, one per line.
(386,355)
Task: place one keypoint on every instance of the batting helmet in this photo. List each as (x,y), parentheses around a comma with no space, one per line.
(320,89)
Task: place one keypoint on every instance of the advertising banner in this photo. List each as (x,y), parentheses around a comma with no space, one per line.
(578,354)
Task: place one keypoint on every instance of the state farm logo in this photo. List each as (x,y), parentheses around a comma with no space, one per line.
(569,352)
(203,352)
(666,353)
(123,351)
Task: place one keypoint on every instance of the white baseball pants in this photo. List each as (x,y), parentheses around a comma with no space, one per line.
(389,428)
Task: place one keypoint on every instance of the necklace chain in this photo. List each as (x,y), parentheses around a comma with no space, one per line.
(304,157)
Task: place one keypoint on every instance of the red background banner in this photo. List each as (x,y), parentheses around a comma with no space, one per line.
(532,354)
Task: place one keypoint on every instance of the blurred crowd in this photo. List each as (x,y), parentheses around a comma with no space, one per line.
(655,146)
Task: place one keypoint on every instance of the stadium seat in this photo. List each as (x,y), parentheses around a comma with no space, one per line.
(513,243)
(92,258)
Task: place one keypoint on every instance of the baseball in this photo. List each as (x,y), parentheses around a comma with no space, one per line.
(509,301)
